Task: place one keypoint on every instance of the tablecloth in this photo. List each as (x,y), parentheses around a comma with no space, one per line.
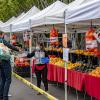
(74,79)
(92,86)
(50,72)
(56,73)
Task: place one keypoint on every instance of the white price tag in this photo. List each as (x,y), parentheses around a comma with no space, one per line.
(65,54)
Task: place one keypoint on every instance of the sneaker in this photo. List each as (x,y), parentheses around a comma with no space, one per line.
(39,93)
(9,95)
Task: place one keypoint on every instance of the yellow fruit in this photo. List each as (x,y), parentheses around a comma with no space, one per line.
(95,72)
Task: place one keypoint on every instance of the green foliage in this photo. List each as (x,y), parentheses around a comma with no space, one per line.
(9,8)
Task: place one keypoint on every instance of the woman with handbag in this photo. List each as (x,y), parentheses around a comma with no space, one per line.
(41,60)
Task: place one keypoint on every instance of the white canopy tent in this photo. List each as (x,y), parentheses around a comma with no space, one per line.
(54,14)
(84,13)
(10,20)
(83,17)
(1,24)
(57,17)
(30,13)
(23,16)
(74,4)
(41,18)
(9,23)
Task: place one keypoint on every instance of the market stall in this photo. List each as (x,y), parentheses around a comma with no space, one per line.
(84,15)
(83,65)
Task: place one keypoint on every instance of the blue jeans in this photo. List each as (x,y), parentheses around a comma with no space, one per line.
(5,81)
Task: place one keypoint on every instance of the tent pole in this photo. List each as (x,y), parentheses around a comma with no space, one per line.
(30,44)
(65,70)
(10,32)
(12,56)
(30,50)
(65,61)
(65,64)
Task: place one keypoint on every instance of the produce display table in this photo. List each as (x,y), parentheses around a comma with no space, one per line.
(92,86)
(56,73)
(51,73)
(75,79)
(78,80)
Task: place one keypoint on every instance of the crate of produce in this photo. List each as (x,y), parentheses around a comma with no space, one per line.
(22,71)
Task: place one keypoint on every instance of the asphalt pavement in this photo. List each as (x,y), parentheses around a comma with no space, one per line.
(20,91)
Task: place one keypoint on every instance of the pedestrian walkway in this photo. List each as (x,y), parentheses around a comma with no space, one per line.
(57,91)
(54,89)
(20,91)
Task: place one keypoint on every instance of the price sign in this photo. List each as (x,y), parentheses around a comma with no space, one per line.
(65,54)
(65,40)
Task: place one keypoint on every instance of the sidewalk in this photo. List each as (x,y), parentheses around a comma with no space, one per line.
(58,92)
(20,91)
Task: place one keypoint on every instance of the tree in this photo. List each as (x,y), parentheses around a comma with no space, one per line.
(9,8)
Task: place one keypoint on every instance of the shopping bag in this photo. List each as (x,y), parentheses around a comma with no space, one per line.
(45,60)
(4,52)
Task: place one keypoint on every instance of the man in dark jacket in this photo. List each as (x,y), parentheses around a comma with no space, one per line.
(5,68)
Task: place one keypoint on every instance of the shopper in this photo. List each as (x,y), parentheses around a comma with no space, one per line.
(5,68)
(40,68)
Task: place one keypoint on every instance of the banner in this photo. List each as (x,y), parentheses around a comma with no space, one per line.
(65,40)
(54,37)
(91,42)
